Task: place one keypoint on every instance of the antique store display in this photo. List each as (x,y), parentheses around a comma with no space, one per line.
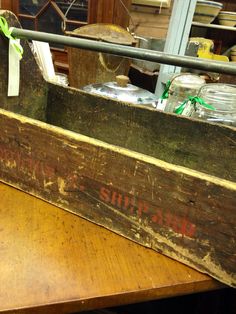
(165,181)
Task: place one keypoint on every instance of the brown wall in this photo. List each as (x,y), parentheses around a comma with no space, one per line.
(150,21)
(229,5)
(109,11)
(10,5)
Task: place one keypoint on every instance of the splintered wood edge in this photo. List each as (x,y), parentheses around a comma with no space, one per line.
(123,151)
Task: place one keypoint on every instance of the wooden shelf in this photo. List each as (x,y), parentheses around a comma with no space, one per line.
(154,3)
(229,28)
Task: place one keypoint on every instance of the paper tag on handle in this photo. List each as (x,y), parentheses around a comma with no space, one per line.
(13,71)
(188,110)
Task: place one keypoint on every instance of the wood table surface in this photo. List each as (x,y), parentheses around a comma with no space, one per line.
(52,261)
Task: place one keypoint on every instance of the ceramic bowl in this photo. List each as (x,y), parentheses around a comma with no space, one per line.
(227,22)
(227,15)
(203,18)
(206,11)
(227,18)
(208,7)
(233,54)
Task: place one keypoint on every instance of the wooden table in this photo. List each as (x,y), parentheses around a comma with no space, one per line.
(52,261)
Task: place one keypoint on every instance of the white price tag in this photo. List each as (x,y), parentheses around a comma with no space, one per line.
(161,104)
(13,71)
(188,110)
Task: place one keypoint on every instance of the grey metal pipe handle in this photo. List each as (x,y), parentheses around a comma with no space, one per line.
(128,51)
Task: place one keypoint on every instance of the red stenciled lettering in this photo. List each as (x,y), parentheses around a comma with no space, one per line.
(72,183)
(188,228)
(2,153)
(177,224)
(168,219)
(128,204)
(18,159)
(158,217)
(104,195)
(50,172)
(116,199)
(173,222)
(8,155)
(142,207)
(37,167)
(30,164)
(26,164)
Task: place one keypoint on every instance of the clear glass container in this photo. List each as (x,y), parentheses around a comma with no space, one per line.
(223,98)
(121,90)
(182,86)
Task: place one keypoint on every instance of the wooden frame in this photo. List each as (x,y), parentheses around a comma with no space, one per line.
(153,3)
(99,11)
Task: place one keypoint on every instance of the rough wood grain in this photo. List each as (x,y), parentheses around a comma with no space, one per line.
(150,21)
(32,99)
(54,262)
(161,180)
(185,214)
(194,144)
(89,67)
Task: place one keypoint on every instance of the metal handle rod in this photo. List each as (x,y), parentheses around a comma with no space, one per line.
(128,51)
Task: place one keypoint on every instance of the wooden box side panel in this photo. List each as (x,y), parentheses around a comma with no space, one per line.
(187,215)
(198,145)
(32,99)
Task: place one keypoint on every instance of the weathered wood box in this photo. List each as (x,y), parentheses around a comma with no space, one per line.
(161,180)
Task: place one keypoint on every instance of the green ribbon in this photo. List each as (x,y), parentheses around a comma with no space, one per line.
(194,100)
(165,94)
(7,32)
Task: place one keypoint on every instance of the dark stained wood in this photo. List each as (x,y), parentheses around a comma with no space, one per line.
(92,67)
(109,11)
(54,262)
(229,5)
(89,67)
(6,4)
(181,141)
(163,181)
(120,15)
(33,88)
(11,5)
(187,215)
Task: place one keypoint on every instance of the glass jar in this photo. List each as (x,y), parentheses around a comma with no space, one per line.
(223,98)
(121,90)
(182,86)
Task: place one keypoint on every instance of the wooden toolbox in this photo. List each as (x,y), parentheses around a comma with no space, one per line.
(164,181)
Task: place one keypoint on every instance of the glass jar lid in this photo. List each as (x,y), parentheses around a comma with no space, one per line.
(121,90)
(221,96)
(188,81)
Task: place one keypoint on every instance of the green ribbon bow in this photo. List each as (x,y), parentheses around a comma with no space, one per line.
(7,32)
(165,94)
(194,100)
